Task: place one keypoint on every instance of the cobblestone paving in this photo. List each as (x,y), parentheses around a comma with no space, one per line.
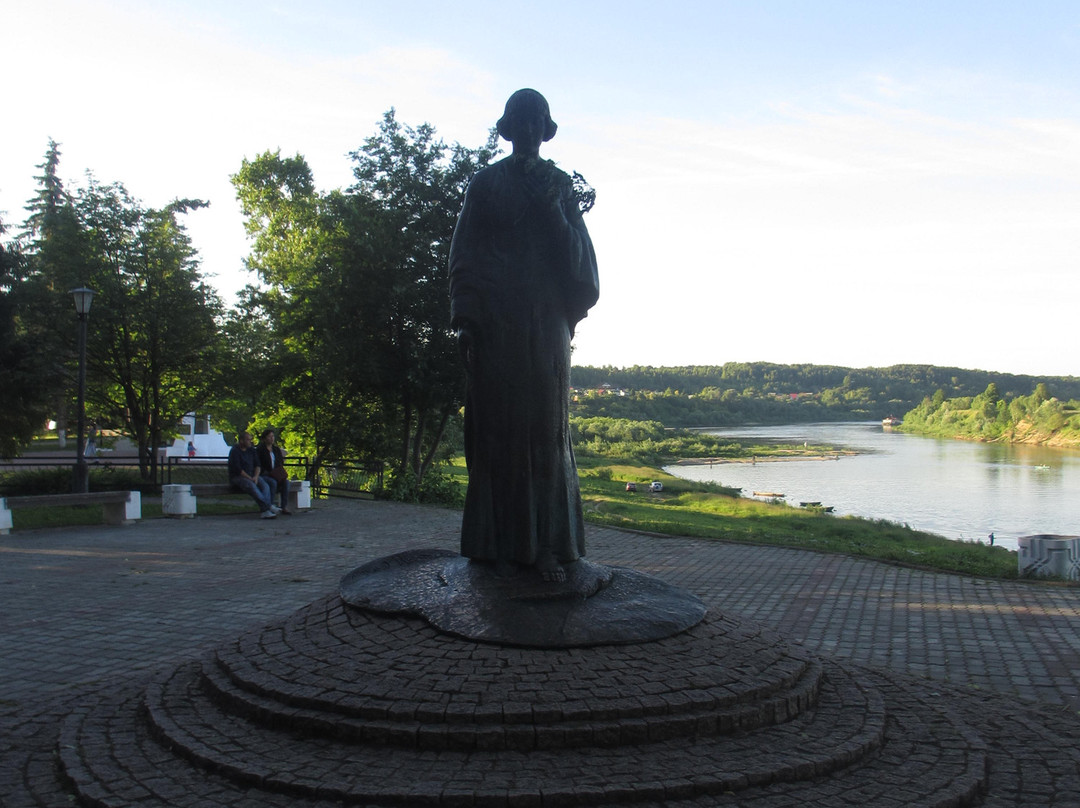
(86,606)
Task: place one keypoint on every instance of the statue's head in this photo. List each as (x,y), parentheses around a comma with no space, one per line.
(521,103)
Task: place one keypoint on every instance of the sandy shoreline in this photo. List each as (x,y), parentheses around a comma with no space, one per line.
(716,461)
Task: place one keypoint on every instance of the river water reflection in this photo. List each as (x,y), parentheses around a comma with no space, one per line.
(957,489)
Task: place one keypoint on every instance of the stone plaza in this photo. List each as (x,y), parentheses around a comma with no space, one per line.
(94,615)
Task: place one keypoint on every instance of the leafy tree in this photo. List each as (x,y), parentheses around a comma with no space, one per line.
(302,249)
(251,361)
(154,349)
(25,389)
(357,296)
(54,249)
(417,184)
(153,344)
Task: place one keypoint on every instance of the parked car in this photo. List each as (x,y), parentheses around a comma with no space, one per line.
(656,485)
(631,486)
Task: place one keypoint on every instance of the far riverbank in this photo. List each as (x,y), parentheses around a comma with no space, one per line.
(711,461)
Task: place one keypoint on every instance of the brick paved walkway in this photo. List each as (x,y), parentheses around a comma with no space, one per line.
(87,614)
(85,604)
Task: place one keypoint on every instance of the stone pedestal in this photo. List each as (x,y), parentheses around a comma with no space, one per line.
(1050,555)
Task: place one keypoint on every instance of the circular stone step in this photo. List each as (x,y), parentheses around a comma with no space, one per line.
(399,681)
(847,744)
(337,706)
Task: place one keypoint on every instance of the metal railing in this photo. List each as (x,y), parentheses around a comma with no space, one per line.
(100,471)
(348,478)
(201,470)
(341,478)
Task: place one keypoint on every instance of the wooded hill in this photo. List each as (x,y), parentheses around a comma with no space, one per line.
(761,392)
(1038,418)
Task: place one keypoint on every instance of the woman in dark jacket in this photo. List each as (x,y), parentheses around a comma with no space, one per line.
(272,463)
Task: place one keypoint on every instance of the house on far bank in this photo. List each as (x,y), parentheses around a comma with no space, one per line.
(196,430)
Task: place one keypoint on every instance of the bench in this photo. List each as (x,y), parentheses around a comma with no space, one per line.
(120,507)
(182,500)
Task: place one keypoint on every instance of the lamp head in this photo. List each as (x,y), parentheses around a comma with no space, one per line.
(82,296)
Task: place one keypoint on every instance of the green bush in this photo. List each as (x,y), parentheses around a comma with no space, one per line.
(437,488)
(37,482)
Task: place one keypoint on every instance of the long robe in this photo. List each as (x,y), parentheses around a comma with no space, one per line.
(522,275)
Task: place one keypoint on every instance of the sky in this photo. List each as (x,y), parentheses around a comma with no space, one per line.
(846,183)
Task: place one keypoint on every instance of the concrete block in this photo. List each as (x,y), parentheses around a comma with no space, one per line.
(1049,554)
(303,494)
(133,507)
(299,495)
(5,517)
(124,513)
(178,501)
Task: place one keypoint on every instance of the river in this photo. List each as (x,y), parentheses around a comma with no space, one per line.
(957,489)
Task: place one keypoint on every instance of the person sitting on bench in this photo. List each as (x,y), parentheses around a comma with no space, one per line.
(244,473)
(272,461)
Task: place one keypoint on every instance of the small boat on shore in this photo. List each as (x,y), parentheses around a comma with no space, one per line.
(816,506)
(768,494)
(890,421)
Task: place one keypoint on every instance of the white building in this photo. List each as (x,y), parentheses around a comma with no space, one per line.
(196,430)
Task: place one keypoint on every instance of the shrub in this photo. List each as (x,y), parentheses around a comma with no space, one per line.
(37,482)
(437,488)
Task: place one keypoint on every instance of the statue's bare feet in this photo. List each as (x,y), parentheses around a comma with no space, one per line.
(551,570)
(557,575)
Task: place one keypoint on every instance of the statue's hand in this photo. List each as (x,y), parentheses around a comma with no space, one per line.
(544,189)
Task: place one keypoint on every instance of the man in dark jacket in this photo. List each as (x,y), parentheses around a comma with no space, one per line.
(244,473)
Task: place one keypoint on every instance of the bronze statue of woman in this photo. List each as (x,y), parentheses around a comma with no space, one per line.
(522,275)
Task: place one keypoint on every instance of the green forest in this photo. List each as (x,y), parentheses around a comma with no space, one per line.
(993,417)
(740,393)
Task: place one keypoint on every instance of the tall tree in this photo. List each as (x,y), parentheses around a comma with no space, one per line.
(25,377)
(154,347)
(310,388)
(155,344)
(53,245)
(417,184)
(357,295)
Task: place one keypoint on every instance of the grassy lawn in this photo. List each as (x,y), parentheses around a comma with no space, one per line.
(38,518)
(686,508)
(710,511)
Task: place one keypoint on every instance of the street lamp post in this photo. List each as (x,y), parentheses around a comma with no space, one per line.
(82,296)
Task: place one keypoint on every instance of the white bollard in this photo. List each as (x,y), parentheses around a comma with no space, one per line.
(303,494)
(178,501)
